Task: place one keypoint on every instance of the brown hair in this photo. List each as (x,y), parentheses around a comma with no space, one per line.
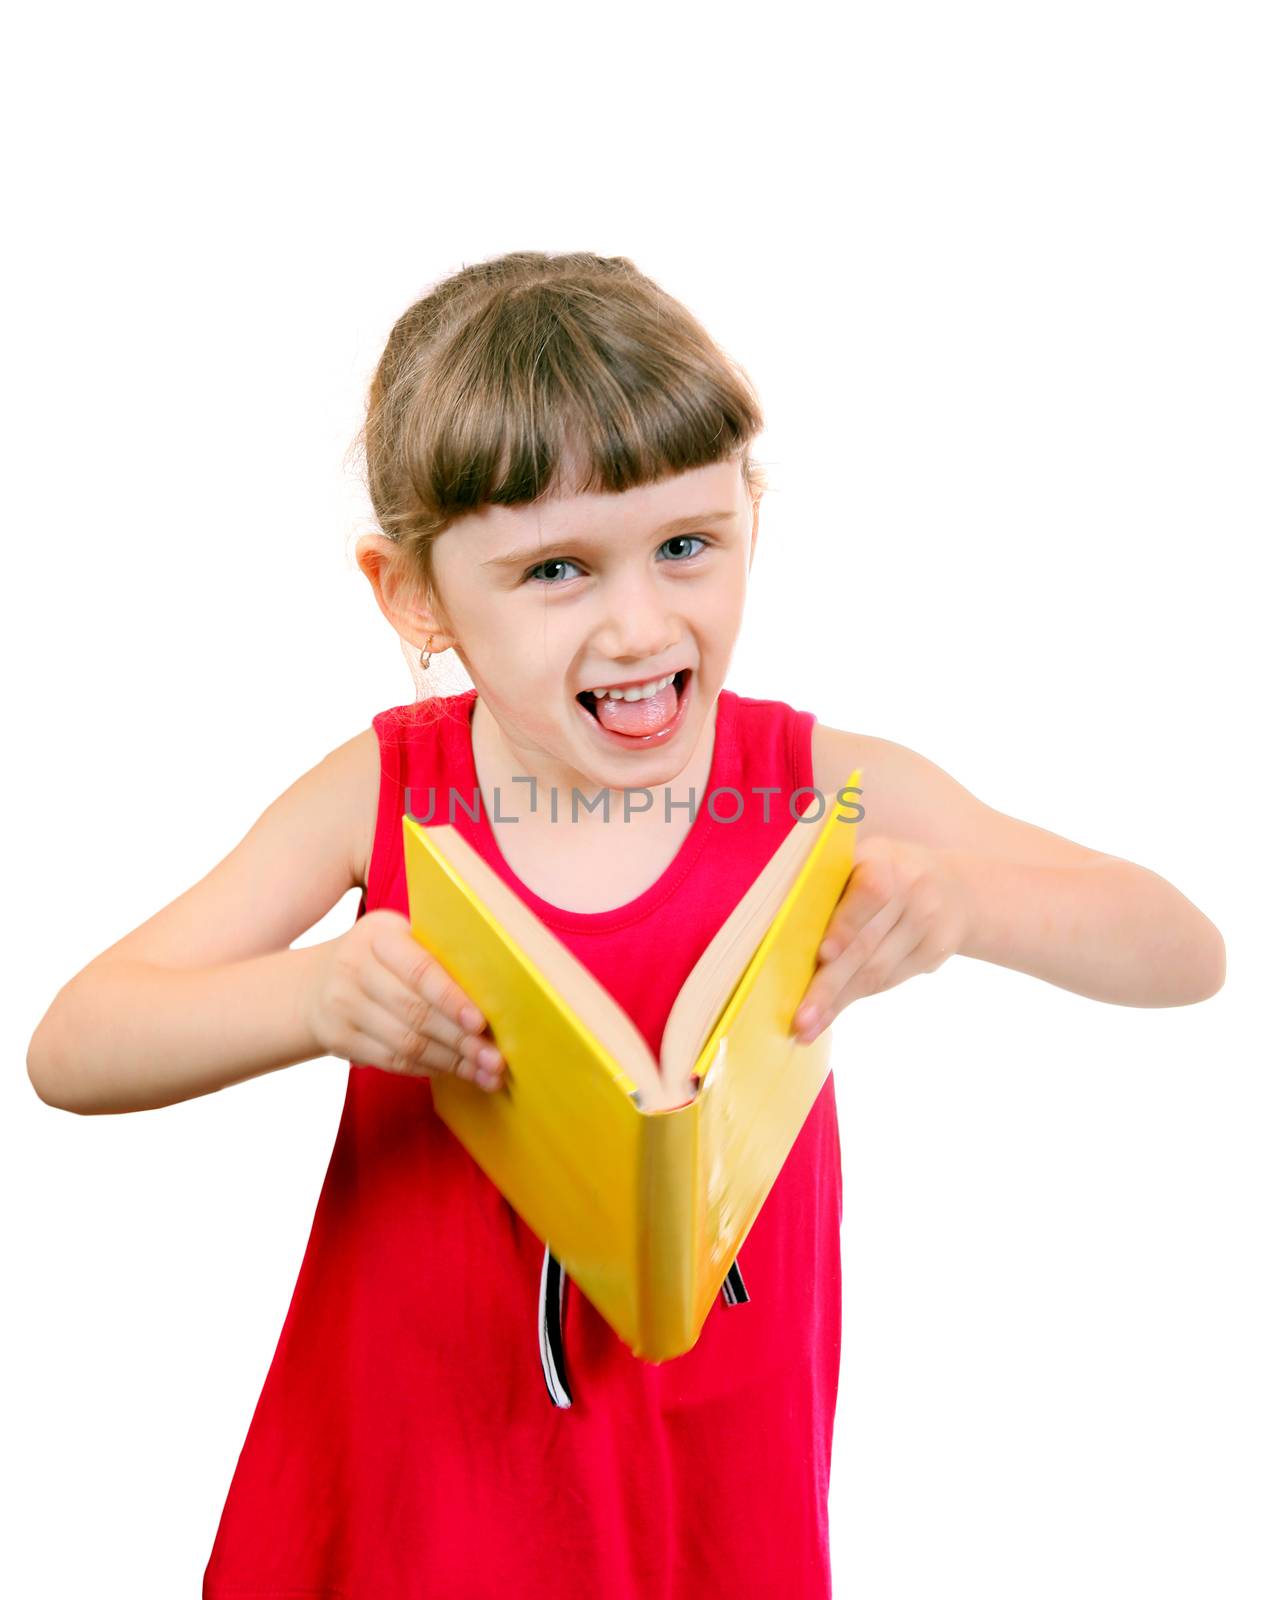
(532,374)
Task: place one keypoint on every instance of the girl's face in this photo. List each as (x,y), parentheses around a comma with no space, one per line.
(599,591)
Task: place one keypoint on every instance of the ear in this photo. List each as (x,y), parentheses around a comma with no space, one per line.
(399,595)
(753,536)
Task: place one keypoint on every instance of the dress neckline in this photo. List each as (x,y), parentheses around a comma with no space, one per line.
(721,774)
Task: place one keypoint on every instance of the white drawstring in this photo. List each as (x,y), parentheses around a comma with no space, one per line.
(552,1281)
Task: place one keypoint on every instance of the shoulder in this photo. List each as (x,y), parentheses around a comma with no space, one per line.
(353,772)
(348,780)
(835,753)
(904,795)
(907,796)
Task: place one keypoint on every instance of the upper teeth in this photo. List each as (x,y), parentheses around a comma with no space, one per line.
(643,692)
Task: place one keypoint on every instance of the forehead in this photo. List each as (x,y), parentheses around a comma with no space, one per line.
(701,492)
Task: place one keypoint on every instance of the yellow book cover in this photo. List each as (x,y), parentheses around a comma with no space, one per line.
(643,1178)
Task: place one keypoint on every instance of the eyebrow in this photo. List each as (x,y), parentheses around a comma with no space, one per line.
(538,553)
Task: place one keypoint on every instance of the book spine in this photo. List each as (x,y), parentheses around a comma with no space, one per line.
(667,1232)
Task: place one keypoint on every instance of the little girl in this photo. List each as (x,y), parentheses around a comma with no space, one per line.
(558,459)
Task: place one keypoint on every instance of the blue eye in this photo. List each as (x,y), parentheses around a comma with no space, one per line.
(543,565)
(679,538)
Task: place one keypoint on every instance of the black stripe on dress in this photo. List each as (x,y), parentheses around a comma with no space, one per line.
(552,1283)
(734,1290)
(551,1340)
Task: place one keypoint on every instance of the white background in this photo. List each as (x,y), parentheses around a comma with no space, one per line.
(994,270)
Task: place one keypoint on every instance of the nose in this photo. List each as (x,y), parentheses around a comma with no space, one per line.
(639,624)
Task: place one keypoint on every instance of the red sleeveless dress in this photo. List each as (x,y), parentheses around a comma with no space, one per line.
(410,1441)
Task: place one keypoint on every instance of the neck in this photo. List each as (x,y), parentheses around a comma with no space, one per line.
(498,759)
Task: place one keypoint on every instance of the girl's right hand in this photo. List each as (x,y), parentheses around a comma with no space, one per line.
(379,998)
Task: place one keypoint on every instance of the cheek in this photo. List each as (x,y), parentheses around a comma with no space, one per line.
(721,612)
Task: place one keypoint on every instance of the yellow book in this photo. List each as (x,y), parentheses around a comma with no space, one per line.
(644,1180)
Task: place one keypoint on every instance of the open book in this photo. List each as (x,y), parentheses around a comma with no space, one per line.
(643,1179)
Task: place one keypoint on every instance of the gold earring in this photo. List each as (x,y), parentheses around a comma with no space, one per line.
(425,653)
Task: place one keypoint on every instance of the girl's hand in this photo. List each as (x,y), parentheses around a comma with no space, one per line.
(903,911)
(379,998)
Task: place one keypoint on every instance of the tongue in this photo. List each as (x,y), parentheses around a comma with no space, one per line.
(638,717)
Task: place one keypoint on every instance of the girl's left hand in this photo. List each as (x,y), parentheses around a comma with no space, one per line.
(903,911)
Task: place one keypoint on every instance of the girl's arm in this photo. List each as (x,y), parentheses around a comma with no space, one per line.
(206,993)
(1112,931)
(1033,901)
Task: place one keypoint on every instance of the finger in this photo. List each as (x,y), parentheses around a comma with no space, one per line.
(872,887)
(401,1049)
(420,971)
(929,954)
(889,966)
(891,963)
(417,1010)
(831,977)
(396,1047)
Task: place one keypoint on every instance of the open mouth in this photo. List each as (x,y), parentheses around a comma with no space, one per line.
(588,700)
